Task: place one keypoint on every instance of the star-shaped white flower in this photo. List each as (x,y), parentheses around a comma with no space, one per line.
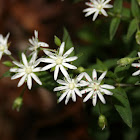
(70,88)
(59,61)
(35,43)
(137,65)
(97,7)
(96,88)
(26,71)
(4,45)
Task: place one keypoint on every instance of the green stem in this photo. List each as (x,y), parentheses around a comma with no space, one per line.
(22,93)
(12,58)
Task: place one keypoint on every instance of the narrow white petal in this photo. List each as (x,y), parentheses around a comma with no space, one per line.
(88,9)
(67,65)
(50,54)
(7,52)
(104,12)
(63,96)
(107,1)
(65,73)
(95,15)
(16,70)
(89,4)
(37,69)
(46,60)
(29,81)
(68,97)
(88,96)
(61,50)
(36,78)
(135,64)
(107,92)
(73,96)
(43,44)
(61,82)
(68,52)
(80,76)
(24,59)
(94,99)
(136,73)
(17,75)
(78,92)
(36,33)
(60,88)
(1,53)
(90,12)
(88,77)
(83,83)
(94,74)
(102,76)
(56,72)
(107,86)
(70,59)
(18,64)
(34,56)
(139,54)
(101,97)
(86,90)
(48,67)
(22,80)
(108,6)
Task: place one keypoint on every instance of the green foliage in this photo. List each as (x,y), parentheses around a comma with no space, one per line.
(8,63)
(122,106)
(118,6)
(135,9)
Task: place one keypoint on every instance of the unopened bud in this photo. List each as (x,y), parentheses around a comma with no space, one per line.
(102,122)
(80,69)
(57,41)
(17,103)
(8,63)
(125,61)
(138,37)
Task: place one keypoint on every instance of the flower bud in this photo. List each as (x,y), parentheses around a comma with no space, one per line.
(102,121)
(138,37)
(125,61)
(80,69)
(17,103)
(8,63)
(57,41)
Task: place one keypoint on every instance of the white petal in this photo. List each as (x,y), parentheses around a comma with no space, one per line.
(37,69)
(65,73)
(70,59)
(95,15)
(46,60)
(104,12)
(107,86)
(136,73)
(48,67)
(68,97)
(107,1)
(60,88)
(89,4)
(88,77)
(78,92)
(94,99)
(80,76)
(18,75)
(108,6)
(73,96)
(63,96)
(90,12)
(135,64)
(101,97)
(7,52)
(61,50)
(36,33)
(88,9)
(102,76)
(86,90)
(16,70)
(83,83)
(1,53)
(34,56)
(18,64)
(107,92)
(50,54)
(67,65)
(139,54)
(94,74)
(29,81)
(43,44)
(68,52)
(22,80)
(88,96)
(61,82)
(24,59)
(36,78)
(56,72)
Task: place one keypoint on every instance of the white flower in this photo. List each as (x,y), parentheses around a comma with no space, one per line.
(96,88)
(70,88)
(35,43)
(59,60)
(26,71)
(137,65)
(97,7)
(4,45)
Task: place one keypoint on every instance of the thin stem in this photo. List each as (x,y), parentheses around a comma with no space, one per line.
(22,93)
(99,106)
(12,58)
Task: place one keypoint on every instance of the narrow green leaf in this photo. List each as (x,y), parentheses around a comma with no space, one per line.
(114,26)
(8,63)
(57,41)
(135,9)
(122,106)
(118,4)
(101,65)
(132,28)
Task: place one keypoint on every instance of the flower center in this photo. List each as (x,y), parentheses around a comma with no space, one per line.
(71,86)
(95,87)
(28,70)
(99,7)
(59,60)
(2,48)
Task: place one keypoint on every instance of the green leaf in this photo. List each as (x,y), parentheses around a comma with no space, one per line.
(8,63)
(114,26)
(118,6)
(57,41)
(101,65)
(126,13)
(122,106)
(67,40)
(135,9)
(132,28)
(6,74)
